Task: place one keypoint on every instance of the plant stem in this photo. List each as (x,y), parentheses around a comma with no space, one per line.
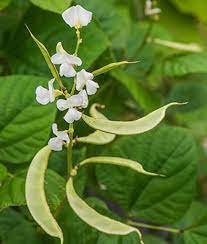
(153,227)
(70,149)
(79,40)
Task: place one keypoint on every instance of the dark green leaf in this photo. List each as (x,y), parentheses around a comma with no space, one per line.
(158,200)
(12,192)
(25,125)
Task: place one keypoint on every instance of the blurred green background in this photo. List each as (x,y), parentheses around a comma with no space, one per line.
(177,148)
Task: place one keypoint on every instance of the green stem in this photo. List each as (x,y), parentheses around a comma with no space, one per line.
(70,149)
(153,227)
(79,40)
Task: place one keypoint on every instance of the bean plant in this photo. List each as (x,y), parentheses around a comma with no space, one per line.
(74,101)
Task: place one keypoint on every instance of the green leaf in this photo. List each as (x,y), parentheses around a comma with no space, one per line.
(194,114)
(57,6)
(194,224)
(93,218)
(185,64)
(4,4)
(196,8)
(143,96)
(98,137)
(111,66)
(35,194)
(118,161)
(169,151)
(46,55)
(14,228)
(12,191)
(132,127)
(25,125)
(3,173)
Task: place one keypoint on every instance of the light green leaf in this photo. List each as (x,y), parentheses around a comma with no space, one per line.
(22,116)
(98,137)
(57,6)
(4,4)
(185,64)
(196,8)
(132,127)
(111,67)
(118,161)
(3,173)
(162,200)
(35,194)
(93,218)
(46,55)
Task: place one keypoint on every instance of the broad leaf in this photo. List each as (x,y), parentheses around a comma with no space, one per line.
(98,137)
(194,224)
(185,64)
(196,8)
(161,200)
(57,6)
(22,116)
(4,4)
(15,228)
(194,114)
(132,127)
(12,190)
(93,218)
(117,161)
(35,194)
(3,173)
(143,96)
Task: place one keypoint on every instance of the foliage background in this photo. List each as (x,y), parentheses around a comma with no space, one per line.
(177,148)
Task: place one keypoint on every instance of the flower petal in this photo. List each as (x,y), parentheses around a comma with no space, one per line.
(67,70)
(55,144)
(58,58)
(75,100)
(70,16)
(42,95)
(84,97)
(77,16)
(72,115)
(54,129)
(84,16)
(62,135)
(91,87)
(51,90)
(73,60)
(63,104)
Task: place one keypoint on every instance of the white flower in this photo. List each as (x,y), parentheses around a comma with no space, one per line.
(77,16)
(149,10)
(72,103)
(57,142)
(43,95)
(66,61)
(85,78)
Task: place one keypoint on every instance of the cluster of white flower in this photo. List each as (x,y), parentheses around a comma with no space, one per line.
(77,17)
